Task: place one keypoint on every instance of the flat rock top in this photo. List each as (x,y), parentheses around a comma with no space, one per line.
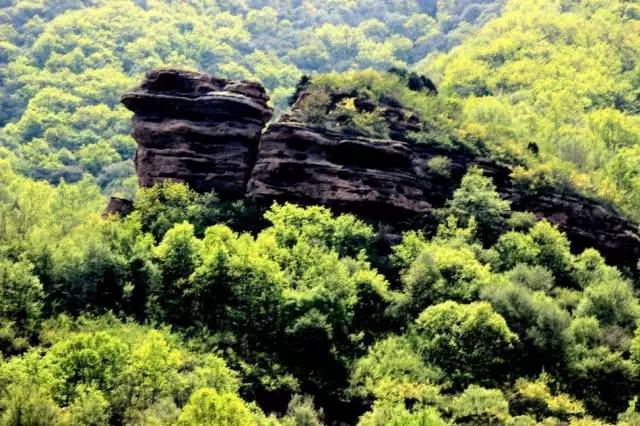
(193,85)
(168,91)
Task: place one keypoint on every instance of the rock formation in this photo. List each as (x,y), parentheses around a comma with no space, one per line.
(207,132)
(118,206)
(197,129)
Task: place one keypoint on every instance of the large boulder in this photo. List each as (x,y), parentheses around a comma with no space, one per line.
(389,181)
(197,129)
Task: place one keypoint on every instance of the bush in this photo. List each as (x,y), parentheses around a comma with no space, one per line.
(314,107)
(522,221)
(208,407)
(317,226)
(391,414)
(554,252)
(536,278)
(168,203)
(612,303)
(441,273)
(439,165)
(480,406)
(86,359)
(21,296)
(27,405)
(534,397)
(512,249)
(301,411)
(392,370)
(537,320)
(603,380)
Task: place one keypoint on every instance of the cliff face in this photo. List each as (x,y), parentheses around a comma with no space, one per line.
(207,132)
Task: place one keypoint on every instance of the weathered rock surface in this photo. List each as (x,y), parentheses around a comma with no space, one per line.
(205,131)
(197,129)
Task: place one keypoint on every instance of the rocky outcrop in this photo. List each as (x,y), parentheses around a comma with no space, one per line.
(205,131)
(390,181)
(197,129)
(118,207)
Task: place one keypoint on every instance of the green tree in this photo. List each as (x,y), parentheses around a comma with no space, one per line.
(301,411)
(168,203)
(21,295)
(471,343)
(392,370)
(477,405)
(539,322)
(611,302)
(209,407)
(315,225)
(477,198)
(29,406)
(87,359)
(178,257)
(443,272)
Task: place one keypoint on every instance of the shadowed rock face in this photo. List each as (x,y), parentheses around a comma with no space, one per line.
(205,131)
(197,129)
(118,206)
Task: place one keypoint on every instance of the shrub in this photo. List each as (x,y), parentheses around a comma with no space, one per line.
(480,406)
(208,407)
(439,165)
(612,303)
(441,273)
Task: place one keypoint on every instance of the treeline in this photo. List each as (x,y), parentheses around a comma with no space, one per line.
(65,63)
(470,325)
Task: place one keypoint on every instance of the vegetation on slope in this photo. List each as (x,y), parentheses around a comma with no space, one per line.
(562,77)
(192,311)
(451,327)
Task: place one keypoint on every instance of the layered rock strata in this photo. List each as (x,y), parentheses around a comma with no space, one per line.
(197,129)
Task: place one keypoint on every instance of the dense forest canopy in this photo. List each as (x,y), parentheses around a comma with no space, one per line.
(197,311)
(563,75)
(65,63)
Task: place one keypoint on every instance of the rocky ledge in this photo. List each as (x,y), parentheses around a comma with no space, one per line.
(208,132)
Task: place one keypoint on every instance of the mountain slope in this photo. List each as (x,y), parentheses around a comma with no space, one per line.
(64,64)
(562,77)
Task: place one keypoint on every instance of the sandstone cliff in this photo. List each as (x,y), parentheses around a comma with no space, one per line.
(207,132)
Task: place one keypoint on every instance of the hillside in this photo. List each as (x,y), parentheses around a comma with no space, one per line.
(64,63)
(564,76)
(474,312)
(369,213)
(361,142)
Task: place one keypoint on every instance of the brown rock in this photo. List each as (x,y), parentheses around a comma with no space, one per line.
(197,129)
(388,181)
(118,206)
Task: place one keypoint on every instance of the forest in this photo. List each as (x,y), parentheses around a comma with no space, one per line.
(195,310)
